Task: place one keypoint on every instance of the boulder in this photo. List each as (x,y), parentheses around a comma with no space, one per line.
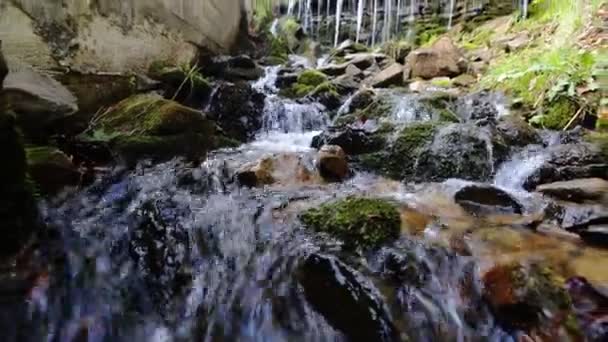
(348,302)
(390,76)
(51,169)
(596,235)
(526,297)
(352,141)
(567,162)
(458,151)
(479,200)
(149,126)
(364,60)
(334,69)
(37,99)
(286,80)
(512,42)
(332,163)
(257,173)
(348,47)
(464,80)
(353,70)
(3,66)
(359,222)
(515,131)
(577,190)
(187,86)
(238,110)
(443,58)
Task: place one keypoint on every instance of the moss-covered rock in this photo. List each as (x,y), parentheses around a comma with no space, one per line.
(148,126)
(310,81)
(359,222)
(528,297)
(51,169)
(312,78)
(181,82)
(556,114)
(399,160)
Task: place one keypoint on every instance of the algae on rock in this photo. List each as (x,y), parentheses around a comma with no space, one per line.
(359,222)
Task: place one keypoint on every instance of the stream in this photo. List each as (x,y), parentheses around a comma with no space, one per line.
(175,252)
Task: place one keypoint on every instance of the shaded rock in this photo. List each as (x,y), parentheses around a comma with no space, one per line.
(353,70)
(3,66)
(578,190)
(484,199)
(231,68)
(349,303)
(457,151)
(332,163)
(37,99)
(595,235)
(238,110)
(441,59)
(359,222)
(512,42)
(567,162)
(361,99)
(327,95)
(348,47)
(390,76)
(515,131)
(51,169)
(286,80)
(526,296)
(148,126)
(18,211)
(364,60)
(186,86)
(352,141)
(334,69)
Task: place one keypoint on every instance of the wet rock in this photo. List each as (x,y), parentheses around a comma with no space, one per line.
(3,66)
(526,297)
(484,199)
(399,160)
(37,99)
(18,213)
(332,163)
(327,95)
(457,151)
(286,80)
(232,68)
(361,100)
(390,76)
(238,110)
(186,86)
(280,168)
(160,246)
(516,132)
(596,235)
(51,169)
(591,308)
(359,222)
(364,60)
(148,126)
(334,69)
(441,59)
(567,162)
(578,190)
(480,106)
(349,303)
(257,173)
(353,141)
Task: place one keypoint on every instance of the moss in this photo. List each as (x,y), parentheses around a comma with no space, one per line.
(326,88)
(151,115)
(442,82)
(359,222)
(556,114)
(600,139)
(399,161)
(159,148)
(312,78)
(157,67)
(279,49)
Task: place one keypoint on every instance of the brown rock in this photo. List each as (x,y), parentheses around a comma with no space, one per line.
(332,163)
(277,169)
(443,58)
(392,75)
(578,190)
(256,173)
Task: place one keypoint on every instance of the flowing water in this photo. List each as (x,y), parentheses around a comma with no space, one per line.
(178,252)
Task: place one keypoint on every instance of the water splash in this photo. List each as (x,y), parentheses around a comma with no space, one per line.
(514,173)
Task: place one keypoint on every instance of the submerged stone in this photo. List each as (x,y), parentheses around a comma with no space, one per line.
(348,302)
(332,163)
(485,199)
(528,297)
(359,222)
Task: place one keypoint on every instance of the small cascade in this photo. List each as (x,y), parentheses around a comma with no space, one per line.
(339,6)
(375,23)
(360,9)
(514,173)
(451,14)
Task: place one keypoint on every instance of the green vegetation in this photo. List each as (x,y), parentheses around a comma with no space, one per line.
(310,81)
(359,222)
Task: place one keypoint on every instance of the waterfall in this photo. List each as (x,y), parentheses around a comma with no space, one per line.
(451,15)
(290,7)
(398,19)
(339,5)
(374,22)
(360,8)
(525,8)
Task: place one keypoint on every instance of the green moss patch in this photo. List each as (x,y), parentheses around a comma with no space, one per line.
(359,222)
